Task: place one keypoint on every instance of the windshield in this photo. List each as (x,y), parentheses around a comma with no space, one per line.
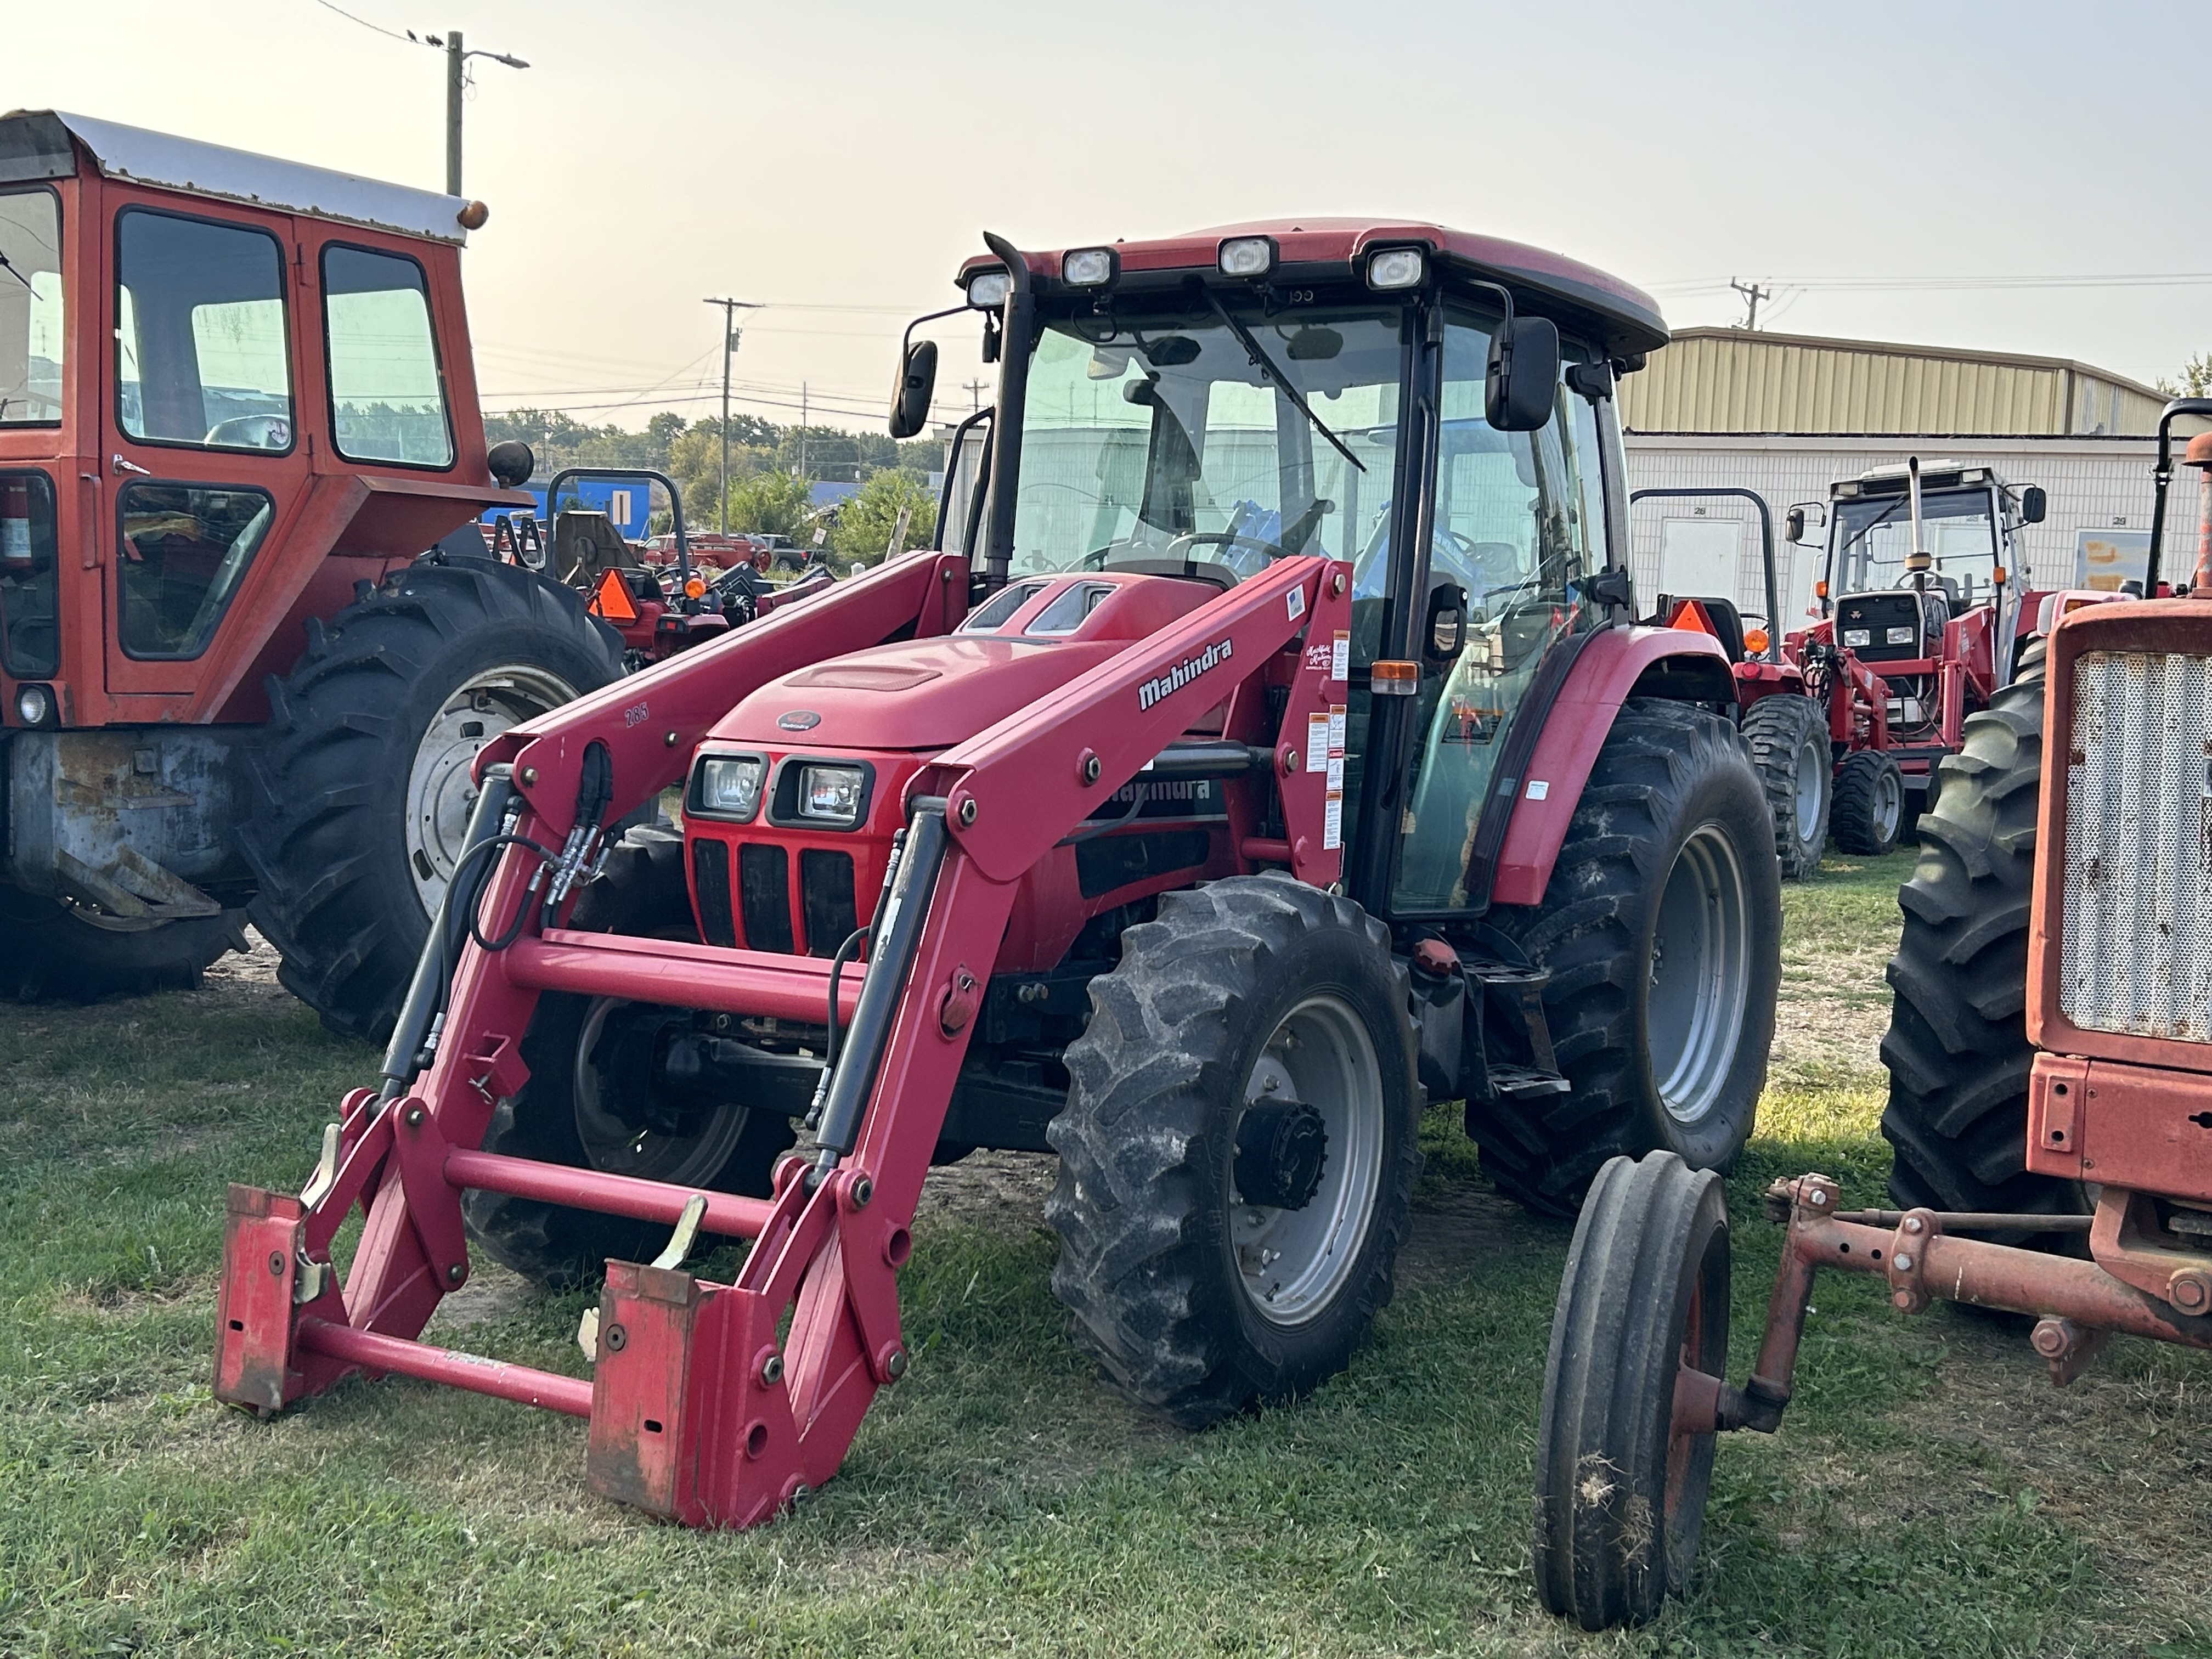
(1159,444)
(1874,536)
(31,339)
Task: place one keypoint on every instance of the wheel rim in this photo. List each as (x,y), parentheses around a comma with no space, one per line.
(1812,783)
(1889,804)
(1292,1263)
(441,791)
(1700,974)
(625,1131)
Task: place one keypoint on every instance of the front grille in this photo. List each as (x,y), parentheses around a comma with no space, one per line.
(764,896)
(710,876)
(825,899)
(2136,949)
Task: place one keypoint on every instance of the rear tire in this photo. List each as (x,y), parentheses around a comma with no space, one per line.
(53,951)
(1620,1498)
(570,1098)
(1957,1048)
(361,785)
(1788,737)
(1662,927)
(1869,815)
(1249,1002)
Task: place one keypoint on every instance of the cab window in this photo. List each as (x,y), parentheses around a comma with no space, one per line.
(30,634)
(33,346)
(1519,521)
(185,550)
(387,397)
(202,357)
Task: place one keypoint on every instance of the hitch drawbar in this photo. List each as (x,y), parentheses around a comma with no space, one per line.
(714,1404)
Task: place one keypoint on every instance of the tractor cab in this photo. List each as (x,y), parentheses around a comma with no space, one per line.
(1916,546)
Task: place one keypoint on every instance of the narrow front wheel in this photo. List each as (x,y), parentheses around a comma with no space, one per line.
(1620,1496)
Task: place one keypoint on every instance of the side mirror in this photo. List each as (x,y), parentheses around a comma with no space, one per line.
(1445,632)
(2033,504)
(511,464)
(1793,525)
(917,384)
(1523,375)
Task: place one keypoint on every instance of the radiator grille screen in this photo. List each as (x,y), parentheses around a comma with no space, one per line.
(2135,948)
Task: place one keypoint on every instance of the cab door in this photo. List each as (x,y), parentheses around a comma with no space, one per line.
(205,461)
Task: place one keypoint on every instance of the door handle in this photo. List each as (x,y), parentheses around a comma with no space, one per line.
(120,466)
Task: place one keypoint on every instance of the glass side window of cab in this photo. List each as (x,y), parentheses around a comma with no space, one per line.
(387,394)
(30,630)
(202,359)
(1519,519)
(33,346)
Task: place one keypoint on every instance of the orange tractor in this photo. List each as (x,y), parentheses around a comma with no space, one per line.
(2050,1054)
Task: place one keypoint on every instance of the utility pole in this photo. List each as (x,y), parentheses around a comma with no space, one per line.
(802,429)
(1753,294)
(730,309)
(456,76)
(974,397)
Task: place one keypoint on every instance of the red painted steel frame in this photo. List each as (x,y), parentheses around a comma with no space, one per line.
(699,1411)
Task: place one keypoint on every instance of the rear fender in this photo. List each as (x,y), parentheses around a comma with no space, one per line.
(1616,665)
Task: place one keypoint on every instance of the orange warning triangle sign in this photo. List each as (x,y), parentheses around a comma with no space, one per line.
(1690,617)
(611,599)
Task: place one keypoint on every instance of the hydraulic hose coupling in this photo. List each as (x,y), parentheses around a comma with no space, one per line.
(595,792)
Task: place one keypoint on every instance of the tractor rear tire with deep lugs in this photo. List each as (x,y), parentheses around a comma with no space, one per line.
(1248,1002)
(1957,1048)
(1662,927)
(348,825)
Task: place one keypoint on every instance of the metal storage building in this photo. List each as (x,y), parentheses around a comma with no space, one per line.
(1786,415)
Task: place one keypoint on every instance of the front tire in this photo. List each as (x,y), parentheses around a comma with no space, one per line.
(585,1106)
(1621,1496)
(1662,927)
(55,950)
(1788,737)
(361,786)
(1238,1150)
(1869,810)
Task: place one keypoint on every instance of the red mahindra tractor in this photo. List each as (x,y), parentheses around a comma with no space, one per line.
(1280,754)
(1922,604)
(236,407)
(2049,1054)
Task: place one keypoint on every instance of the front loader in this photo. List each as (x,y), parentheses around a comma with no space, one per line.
(1276,754)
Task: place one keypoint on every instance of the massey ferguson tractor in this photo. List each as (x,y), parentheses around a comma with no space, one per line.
(1922,601)
(2049,1054)
(236,405)
(1278,756)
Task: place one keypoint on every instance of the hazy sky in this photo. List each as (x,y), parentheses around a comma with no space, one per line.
(836,162)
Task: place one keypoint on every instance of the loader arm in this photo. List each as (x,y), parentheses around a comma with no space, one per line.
(698,1409)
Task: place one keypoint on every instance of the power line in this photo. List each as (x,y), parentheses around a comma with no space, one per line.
(406,39)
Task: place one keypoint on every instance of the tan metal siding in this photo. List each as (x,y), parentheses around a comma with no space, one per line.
(1726,380)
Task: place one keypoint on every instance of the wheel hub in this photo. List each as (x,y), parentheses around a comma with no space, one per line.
(441,785)
(1282,1147)
(626,1123)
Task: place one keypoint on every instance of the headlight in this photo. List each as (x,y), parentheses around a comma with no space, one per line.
(987,289)
(731,788)
(1247,256)
(831,794)
(1900,636)
(1857,638)
(1396,267)
(34,704)
(1087,267)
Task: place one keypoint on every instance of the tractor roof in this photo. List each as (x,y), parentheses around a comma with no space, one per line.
(1624,318)
(37,144)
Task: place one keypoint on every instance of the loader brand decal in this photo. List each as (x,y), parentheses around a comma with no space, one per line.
(1183,673)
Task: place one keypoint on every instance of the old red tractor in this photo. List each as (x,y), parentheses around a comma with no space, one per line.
(2049,1054)
(1282,757)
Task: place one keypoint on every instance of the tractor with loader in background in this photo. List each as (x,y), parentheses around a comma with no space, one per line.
(2050,1053)
(1277,753)
(236,408)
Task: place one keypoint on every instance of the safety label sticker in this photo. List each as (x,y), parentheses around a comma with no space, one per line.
(1316,742)
(1331,811)
(1294,602)
(1340,660)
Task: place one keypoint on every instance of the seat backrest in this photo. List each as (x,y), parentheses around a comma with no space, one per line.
(1727,620)
(586,544)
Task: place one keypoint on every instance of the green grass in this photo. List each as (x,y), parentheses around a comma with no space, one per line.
(1928,1493)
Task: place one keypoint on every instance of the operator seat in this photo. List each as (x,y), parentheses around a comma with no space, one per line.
(586,544)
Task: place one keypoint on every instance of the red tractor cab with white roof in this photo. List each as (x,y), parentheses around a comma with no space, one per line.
(1267,749)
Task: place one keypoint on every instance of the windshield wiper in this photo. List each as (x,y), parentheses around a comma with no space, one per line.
(1872,525)
(1266,365)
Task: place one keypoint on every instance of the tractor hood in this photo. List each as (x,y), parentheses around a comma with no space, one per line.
(1017,648)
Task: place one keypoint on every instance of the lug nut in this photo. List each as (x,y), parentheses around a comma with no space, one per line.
(772,1369)
(863,1189)
(895,1365)
(967,812)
